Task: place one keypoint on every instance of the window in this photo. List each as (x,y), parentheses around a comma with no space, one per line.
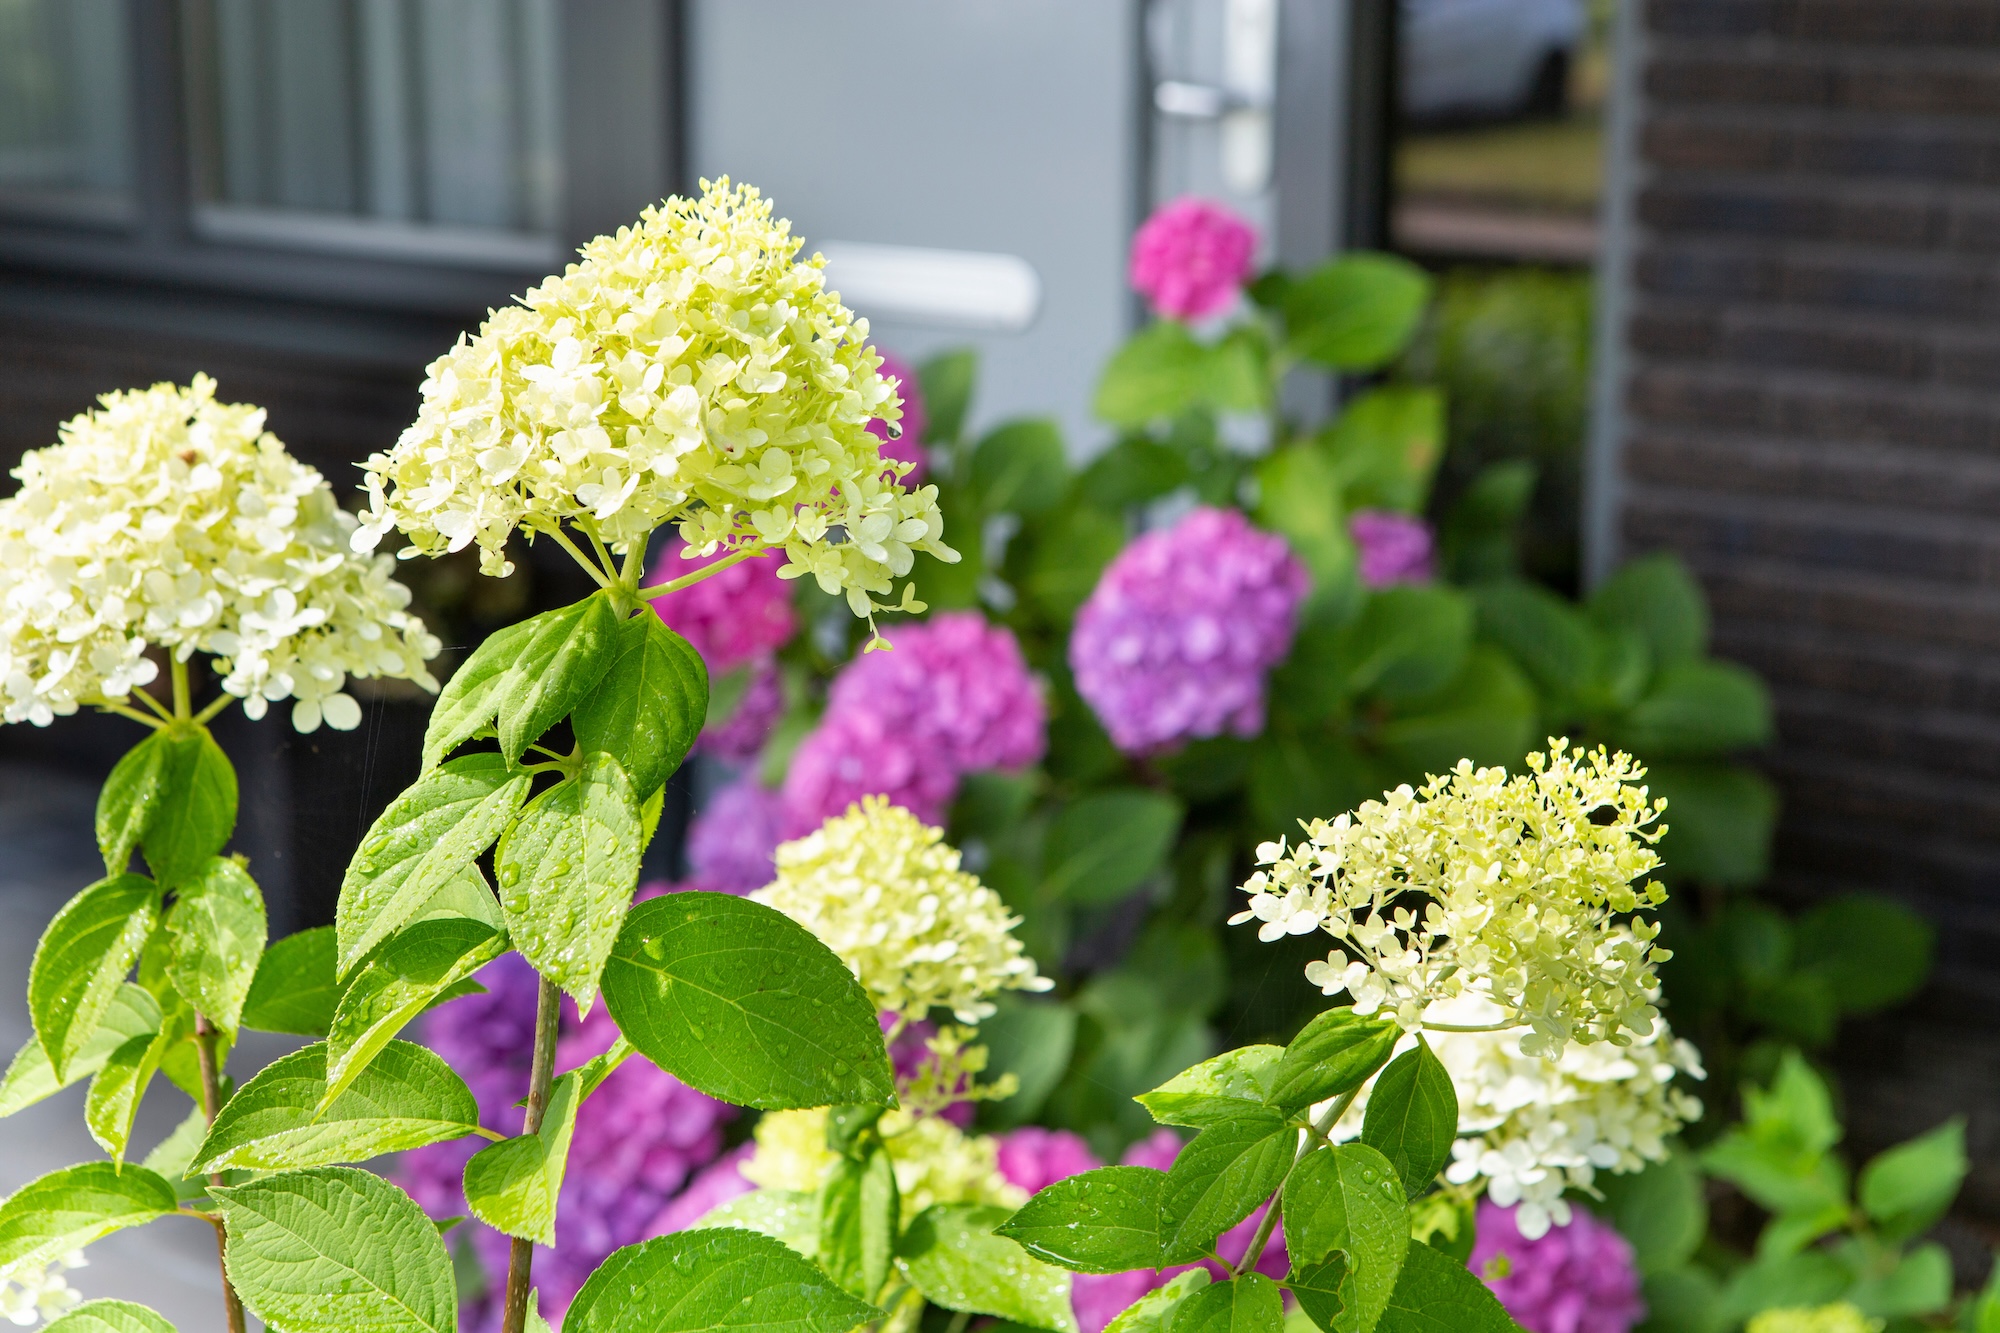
(64,114)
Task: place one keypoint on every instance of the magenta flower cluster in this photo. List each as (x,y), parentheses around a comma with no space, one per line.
(1181,630)
(953,697)
(1191,258)
(1393,548)
(1579,1278)
(736,619)
(638,1140)
(908,447)
(1036,1158)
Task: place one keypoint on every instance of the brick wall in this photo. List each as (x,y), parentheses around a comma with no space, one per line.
(1811,416)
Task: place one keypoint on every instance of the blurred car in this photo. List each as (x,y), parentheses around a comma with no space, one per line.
(1488,59)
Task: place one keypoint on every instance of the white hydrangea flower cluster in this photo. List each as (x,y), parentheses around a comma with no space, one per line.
(934,1161)
(884,891)
(37,1293)
(1840,1317)
(167,519)
(1515,889)
(689,369)
(1531,1128)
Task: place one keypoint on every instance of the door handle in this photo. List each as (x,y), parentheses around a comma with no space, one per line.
(1242,104)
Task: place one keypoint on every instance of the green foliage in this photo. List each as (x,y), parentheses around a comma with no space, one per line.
(468,703)
(68,1209)
(113,1102)
(1412,1117)
(1437,1294)
(281,1118)
(735,999)
(648,708)
(334,1249)
(189,806)
(954,1258)
(83,958)
(404,976)
(1348,1201)
(30,1078)
(860,1212)
(1020,467)
(555,669)
(1247,1303)
(1153,1312)
(1102,1221)
(1356,312)
(1335,1053)
(1102,847)
(109,1317)
(217,930)
(1384,448)
(295,989)
(1220,1178)
(696,1281)
(512,1186)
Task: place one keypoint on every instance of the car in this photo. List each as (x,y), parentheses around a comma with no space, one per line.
(1488,59)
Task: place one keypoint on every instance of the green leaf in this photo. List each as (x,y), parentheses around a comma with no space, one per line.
(1136,469)
(1033,1041)
(1908,1188)
(1020,467)
(1720,819)
(295,989)
(469,699)
(194,808)
(1385,447)
(82,959)
(1102,1221)
(115,1093)
(954,1258)
(1446,1223)
(1812,1277)
(1661,1211)
(126,801)
(407,1098)
(555,670)
(741,1002)
(1102,847)
(1298,497)
(1919,1285)
(336,1249)
(1485,714)
(1873,951)
(696,1281)
(1348,1200)
(423,841)
(1355,312)
(1412,1117)
(1250,1303)
(1334,1053)
(791,1216)
(217,930)
(568,867)
(1436,1294)
(1407,641)
(1479,540)
(860,1213)
(1216,1090)
(513,1186)
(172,1157)
(30,1078)
(947,381)
(648,709)
(1551,640)
(1066,554)
(68,1209)
(1220,1178)
(109,1317)
(1657,599)
(1319,1288)
(1154,1312)
(1157,374)
(399,981)
(1697,709)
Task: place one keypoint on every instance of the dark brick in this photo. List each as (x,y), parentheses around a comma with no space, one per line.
(1674,333)
(1920,22)
(1692,398)
(1703,146)
(1817,469)
(1822,537)
(1681,271)
(1797,215)
(1956,290)
(1865,613)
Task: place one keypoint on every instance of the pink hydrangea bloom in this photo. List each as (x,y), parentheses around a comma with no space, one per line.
(1395,548)
(954,696)
(1035,1158)
(715,1185)
(1177,637)
(736,739)
(732,837)
(731,618)
(1191,258)
(1579,1278)
(916,423)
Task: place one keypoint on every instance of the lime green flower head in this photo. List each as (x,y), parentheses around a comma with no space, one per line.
(690,369)
(1837,1318)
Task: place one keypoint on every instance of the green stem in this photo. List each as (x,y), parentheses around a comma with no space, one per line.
(182,706)
(159,709)
(958,1322)
(125,710)
(689,580)
(521,1254)
(1471,1027)
(589,565)
(1319,1130)
(209,714)
(211,1102)
(604,559)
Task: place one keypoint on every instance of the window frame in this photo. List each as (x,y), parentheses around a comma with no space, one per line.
(620,142)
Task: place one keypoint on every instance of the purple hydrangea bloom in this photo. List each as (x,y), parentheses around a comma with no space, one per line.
(638,1139)
(731,838)
(1035,1158)
(1182,628)
(908,447)
(1579,1278)
(1394,548)
(736,739)
(1191,258)
(732,618)
(953,697)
